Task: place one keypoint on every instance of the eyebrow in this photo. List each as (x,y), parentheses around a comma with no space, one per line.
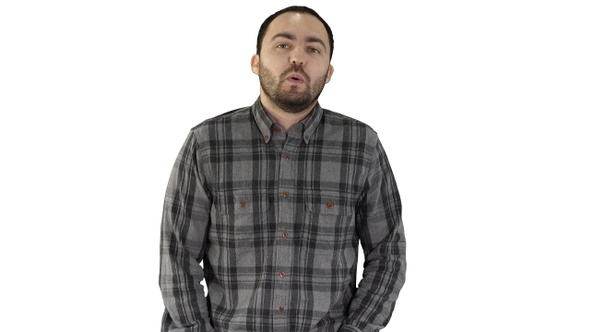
(310,39)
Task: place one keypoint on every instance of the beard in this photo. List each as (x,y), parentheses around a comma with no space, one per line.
(291,101)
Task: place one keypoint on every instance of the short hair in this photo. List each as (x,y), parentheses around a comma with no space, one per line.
(292,9)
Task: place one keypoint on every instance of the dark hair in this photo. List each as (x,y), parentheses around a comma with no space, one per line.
(294,9)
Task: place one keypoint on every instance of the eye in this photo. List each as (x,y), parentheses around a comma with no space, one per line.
(282,46)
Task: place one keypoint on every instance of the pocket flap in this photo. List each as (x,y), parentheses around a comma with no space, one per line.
(242,204)
(330,205)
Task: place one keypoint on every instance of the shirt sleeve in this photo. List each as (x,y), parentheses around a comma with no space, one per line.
(184,227)
(380,229)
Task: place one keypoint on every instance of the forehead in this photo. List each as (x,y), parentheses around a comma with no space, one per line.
(299,25)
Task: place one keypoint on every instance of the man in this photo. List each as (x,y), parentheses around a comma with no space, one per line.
(273,200)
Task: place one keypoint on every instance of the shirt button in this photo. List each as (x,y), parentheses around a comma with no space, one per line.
(281,309)
(330,205)
(285,235)
(287,156)
(266,137)
(285,194)
(242,204)
(277,130)
(282,274)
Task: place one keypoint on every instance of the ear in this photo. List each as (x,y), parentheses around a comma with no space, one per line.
(255,64)
(329,75)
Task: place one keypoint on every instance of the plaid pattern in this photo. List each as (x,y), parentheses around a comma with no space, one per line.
(276,220)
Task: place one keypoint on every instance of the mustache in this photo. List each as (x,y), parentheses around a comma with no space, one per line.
(295,69)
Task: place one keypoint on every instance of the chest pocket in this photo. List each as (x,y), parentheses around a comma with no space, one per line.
(240,221)
(331,234)
(332,216)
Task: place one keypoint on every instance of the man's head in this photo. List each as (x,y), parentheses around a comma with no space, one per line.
(293,9)
(292,59)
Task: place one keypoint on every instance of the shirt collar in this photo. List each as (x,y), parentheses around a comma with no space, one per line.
(265,122)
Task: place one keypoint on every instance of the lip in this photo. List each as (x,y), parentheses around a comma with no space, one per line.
(294,78)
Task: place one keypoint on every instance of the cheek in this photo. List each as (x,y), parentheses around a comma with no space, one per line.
(322,75)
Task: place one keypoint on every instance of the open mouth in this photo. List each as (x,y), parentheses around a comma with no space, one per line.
(295,79)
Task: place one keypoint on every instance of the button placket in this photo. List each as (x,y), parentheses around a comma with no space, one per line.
(287,196)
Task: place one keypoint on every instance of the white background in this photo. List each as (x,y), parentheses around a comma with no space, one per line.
(482,107)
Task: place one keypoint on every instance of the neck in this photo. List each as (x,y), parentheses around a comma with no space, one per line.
(283,118)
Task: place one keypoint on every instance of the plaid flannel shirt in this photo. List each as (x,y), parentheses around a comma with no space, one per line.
(272,221)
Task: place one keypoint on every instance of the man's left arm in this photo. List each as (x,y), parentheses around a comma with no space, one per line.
(380,229)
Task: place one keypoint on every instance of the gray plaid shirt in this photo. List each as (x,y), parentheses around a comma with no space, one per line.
(276,220)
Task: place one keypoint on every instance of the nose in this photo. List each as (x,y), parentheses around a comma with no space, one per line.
(296,62)
(297,57)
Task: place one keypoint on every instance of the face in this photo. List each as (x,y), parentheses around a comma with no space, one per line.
(294,62)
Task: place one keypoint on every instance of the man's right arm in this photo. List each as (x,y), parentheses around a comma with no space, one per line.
(184,228)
